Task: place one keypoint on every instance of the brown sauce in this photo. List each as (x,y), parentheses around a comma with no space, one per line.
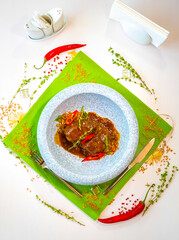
(105,139)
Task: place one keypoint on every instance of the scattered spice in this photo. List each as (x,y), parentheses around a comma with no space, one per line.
(84,205)
(7,112)
(80,75)
(151,128)
(143,168)
(160,156)
(112,201)
(134,211)
(23,140)
(96,189)
(93,198)
(93,205)
(58,50)
(28,190)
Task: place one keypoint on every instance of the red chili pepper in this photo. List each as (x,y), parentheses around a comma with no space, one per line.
(71,117)
(95,156)
(129,214)
(59,50)
(87,138)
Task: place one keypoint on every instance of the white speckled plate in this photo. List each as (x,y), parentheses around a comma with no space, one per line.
(107,103)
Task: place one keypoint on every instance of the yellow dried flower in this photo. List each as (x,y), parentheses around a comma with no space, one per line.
(72,54)
(155,157)
(15,118)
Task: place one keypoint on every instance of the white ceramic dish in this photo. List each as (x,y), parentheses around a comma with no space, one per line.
(107,103)
(53,34)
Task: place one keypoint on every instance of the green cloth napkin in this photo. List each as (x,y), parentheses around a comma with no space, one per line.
(22,139)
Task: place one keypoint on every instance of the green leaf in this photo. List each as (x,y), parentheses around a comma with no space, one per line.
(85,114)
(107,145)
(82,110)
(59,116)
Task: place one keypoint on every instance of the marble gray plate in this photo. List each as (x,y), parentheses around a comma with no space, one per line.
(106,102)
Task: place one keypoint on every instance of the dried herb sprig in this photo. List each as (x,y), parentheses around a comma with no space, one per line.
(43,79)
(59,211)
(26,81)
(120,61)
(165,180)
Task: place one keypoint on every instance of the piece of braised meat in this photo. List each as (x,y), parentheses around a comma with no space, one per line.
(70,137)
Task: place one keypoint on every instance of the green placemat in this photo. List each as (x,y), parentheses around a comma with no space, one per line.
(82,69)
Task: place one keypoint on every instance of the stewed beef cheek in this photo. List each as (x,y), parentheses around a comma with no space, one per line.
(70,136)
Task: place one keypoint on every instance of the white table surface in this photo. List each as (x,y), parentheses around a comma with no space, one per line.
(21,215)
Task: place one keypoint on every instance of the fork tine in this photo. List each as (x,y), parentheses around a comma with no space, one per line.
(37,158)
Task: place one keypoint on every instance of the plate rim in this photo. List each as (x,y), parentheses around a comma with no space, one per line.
(89,88)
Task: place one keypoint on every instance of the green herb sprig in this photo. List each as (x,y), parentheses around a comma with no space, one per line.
(82,137)
(120,61)
(59,211)
(83,116)
(57,118)
(107,144)
(26,81)
(165,180)
(43,79)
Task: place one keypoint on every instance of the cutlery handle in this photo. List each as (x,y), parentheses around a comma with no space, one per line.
(68,185)
(116,181)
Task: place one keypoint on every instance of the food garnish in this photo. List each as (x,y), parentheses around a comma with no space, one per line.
(129,214)
(59,211)
(71,117)
(107,145)
(133,76)
(95,156)
(82,113)
(87,138)
(59,116)
(86,135)
(59,50)
(165,179)
(80,139)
